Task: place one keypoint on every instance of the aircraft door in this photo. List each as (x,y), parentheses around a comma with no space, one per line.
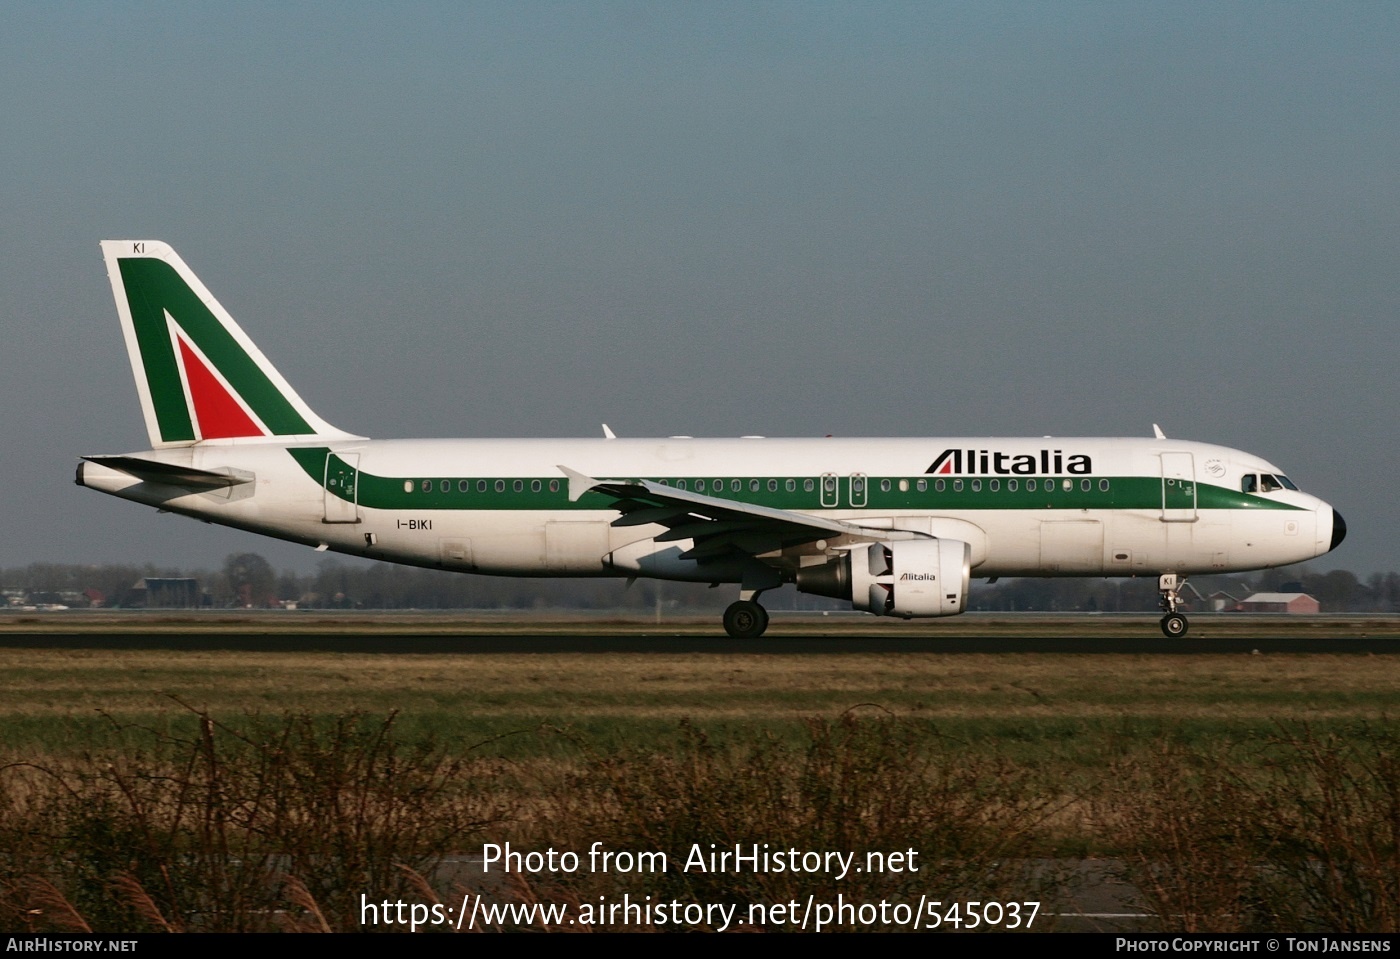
(342,491)
(857,489)
(1178,488)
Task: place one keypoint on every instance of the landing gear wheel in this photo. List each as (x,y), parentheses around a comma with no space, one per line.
(745,619)
(1174,625)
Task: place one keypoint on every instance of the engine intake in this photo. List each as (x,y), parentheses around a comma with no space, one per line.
(908,578)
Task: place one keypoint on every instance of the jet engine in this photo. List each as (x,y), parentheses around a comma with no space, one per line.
(907,578)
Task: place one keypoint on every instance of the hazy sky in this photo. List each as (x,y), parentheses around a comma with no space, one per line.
(498,219)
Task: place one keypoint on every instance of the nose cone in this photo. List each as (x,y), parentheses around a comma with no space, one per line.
(1339,530)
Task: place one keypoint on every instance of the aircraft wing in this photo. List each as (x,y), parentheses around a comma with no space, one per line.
(716,524)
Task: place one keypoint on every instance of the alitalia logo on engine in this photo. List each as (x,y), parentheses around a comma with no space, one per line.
(998,463)
(924,577)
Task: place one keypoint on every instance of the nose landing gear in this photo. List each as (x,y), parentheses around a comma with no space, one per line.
(1174,624)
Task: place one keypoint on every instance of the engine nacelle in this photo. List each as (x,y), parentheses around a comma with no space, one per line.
(908,578)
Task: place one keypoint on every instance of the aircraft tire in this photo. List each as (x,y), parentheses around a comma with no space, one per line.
(745,619)
(1174,625)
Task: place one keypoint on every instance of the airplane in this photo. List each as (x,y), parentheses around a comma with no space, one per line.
(896,527)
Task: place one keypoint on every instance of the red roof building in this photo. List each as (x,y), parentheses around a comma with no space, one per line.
(1280,603)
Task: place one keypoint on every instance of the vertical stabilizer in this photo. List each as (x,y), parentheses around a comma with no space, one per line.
(199,376)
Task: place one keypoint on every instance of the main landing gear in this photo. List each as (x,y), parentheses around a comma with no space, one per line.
(746,619)
(1174,624)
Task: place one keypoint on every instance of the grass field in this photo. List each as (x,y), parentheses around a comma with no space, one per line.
(1190,770)
(1028,699)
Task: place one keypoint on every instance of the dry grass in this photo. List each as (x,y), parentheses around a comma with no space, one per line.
(1300,832)
(287,826)
(1240,792)
(284,821)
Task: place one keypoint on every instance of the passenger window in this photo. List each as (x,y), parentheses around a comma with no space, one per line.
(922,485)
(554,486)
(809,485)
(464,486)
(1012,485)
(481,486)
(940,485)
(1068,485)
(1030,485)
(535,486)
(904,486)
(829,484)
(1086,485)
(994,485)
(736,486)
(500,486)
(977,486)
(408,486)
(445,486)
(753,486)
(518,486)
(957,486)
(680,484)
(884,486)
(1103,486)
(772,486)
(426,486)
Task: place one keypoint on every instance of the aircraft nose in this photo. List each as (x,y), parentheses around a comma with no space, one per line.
(1339,530)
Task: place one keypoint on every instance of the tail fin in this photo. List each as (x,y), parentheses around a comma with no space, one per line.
(199,375)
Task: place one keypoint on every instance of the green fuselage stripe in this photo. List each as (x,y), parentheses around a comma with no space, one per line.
(1123,493)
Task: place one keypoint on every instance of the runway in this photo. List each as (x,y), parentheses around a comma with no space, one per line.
(461,633)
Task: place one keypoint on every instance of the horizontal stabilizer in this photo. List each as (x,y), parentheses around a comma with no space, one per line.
(171,474)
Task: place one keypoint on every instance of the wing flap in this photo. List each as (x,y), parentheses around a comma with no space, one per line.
(651,515)
(701,529)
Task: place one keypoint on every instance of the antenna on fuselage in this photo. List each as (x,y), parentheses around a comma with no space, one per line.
(1157,432)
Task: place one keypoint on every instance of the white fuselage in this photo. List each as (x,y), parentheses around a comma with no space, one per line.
(1025,506)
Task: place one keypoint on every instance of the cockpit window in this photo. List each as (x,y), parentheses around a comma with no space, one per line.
(1265,483)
